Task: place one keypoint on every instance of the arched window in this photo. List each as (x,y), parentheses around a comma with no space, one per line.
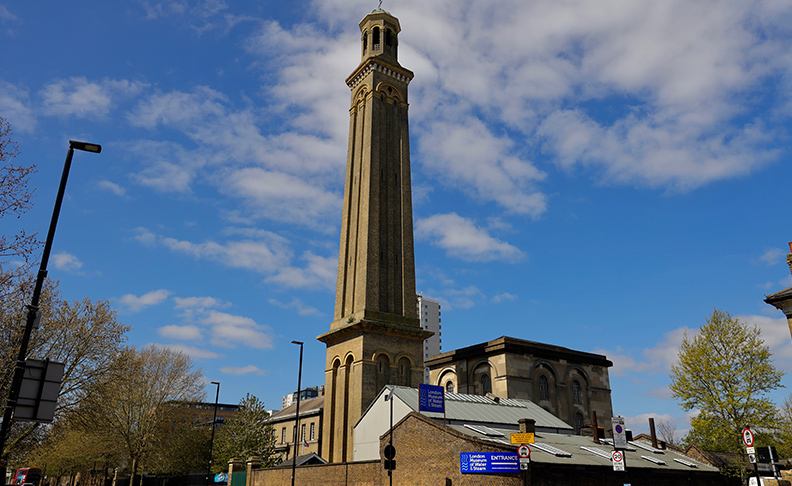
(576,391)
(449,386)
(376,38)
(579,423)
(544,388)
(404,372)
(365,41)
(388,38)
(486,385)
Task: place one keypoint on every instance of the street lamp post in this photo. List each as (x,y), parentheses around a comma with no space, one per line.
(297,414)
(32,308)
(211,441)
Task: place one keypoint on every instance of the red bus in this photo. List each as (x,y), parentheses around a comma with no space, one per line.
(26,475)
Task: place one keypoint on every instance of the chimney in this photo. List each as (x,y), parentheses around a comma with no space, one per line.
(527,426)
(652,432)
(594,428)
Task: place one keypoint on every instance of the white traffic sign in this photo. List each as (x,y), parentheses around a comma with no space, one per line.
(524,462)
(618,460)
(748,437)
(524,451)
(619,433)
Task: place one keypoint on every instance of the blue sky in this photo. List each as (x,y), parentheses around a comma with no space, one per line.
(595,175)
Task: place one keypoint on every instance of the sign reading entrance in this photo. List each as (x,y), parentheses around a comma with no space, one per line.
(431,398)
(489,462)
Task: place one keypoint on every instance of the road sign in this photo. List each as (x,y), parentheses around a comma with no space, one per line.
(524,451)
(619,433)
(524,462)
(752,458)
(618,460)
(38,395)
(748,437)
(489,462)
(431,398)
(750,450)
(389,452)
(522,438)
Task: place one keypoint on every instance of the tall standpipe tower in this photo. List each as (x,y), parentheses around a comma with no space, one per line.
(375,338)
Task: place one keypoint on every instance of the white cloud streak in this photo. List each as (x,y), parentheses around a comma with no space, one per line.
(463,239)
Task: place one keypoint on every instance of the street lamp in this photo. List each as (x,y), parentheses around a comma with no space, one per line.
(211,441)
(32,308)
(297,414)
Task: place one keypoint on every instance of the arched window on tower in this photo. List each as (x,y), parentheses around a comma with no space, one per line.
(449,386)
(404,372)
(576,391)
(375,41)
(365,41)
(544,388)
(486,384)
(388,39)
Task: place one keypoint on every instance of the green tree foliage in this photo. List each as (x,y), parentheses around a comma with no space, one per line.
(248,433)
(725,372)
(130,405)
(84,335)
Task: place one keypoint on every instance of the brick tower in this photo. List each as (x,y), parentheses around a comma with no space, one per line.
(375,338)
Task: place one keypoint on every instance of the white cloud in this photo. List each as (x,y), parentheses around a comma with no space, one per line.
(298,305)
(79,97)
(652,361)
(284,197)
(243,370)
(198,303)
(15,105)
(182,333)
(462,239)
(504,297)
(6,14)
(112,187)
(191,351)
(260,256)
(320,272)
(67,262)
(136,303)
(230,330)
(773,256)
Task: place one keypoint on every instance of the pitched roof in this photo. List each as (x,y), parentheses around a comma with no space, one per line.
(462,407)
(307,407)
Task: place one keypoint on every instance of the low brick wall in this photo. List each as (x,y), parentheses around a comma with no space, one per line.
(367,473)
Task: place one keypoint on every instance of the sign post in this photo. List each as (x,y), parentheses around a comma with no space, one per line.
(748,440)
(619,433)
(618,460)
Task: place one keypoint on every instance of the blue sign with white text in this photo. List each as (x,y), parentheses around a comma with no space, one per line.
(489,462)
(431,398)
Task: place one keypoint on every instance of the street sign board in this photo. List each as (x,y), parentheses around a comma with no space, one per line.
(522,438)
(750,450)
(431,398)
(752,458)
(748,437)
(524,462)
(618,460)
(38,395)
(619,433)
(524,451)
(489,462)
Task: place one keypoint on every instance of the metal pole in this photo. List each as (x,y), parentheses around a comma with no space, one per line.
(390,439)
(211,441)
(297,414)
(19,368)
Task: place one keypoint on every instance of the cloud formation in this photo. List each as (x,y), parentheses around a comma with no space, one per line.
(137,303)
(461,238)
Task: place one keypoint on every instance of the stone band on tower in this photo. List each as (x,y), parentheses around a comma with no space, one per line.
(375,338)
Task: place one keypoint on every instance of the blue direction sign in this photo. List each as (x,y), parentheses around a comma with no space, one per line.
(489,462)
(431,398)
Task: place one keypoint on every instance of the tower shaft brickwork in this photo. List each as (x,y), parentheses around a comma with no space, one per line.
(375,338)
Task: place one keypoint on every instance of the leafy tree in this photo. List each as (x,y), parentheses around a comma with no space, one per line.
(667,431)
(130,405)
(15,200)
(248,433)
(84,335)
(725,372)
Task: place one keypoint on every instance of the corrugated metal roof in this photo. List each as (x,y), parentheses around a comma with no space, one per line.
(476,408)
(582,451)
